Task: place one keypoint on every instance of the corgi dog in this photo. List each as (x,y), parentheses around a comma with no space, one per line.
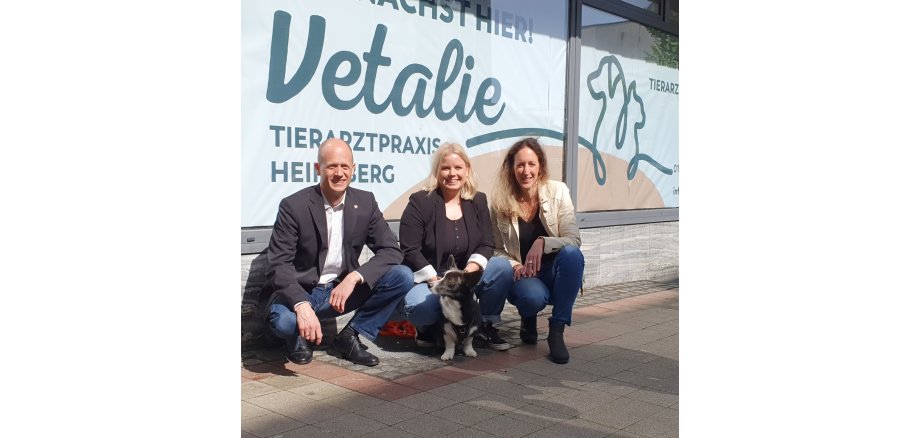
(460,308)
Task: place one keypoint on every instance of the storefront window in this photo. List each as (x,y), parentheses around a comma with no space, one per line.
(628,115)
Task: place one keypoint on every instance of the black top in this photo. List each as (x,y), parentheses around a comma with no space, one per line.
(458,243)
(529,232)
(427,237)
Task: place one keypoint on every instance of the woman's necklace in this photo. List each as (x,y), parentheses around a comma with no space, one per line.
(527,206)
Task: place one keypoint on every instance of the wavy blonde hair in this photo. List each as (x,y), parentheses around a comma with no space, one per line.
(468,191)
(506,191)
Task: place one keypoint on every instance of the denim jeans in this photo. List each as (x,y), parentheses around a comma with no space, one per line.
(555,285)
(372,306)
(423,308)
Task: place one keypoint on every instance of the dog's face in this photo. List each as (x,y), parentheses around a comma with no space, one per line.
(457,284)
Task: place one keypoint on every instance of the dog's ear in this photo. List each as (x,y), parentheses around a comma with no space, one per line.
(472,278)
(452,262)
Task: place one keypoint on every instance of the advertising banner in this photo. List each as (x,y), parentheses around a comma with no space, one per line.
(394,79)
(628,116)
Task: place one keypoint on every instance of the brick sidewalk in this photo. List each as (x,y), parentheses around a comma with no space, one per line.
(622,381)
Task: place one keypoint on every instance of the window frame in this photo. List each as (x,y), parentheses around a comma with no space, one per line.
(596,219)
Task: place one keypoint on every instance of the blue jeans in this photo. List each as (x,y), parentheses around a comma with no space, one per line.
(423,308)
(556,285)
(372,306)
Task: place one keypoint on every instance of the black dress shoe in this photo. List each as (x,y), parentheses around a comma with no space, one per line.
(349,346)
(299,351)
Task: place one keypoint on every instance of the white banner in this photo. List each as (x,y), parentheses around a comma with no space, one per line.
(628,117)
(394,79)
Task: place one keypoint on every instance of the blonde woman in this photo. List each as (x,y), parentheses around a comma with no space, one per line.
(449,217)
(533,224)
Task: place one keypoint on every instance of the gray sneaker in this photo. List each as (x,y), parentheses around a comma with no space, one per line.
(424,337)
(487,336)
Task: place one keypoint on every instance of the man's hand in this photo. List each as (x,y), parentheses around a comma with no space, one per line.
(341,292)
(308,324)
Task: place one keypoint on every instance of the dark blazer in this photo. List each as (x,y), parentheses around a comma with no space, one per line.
(298,246)
(426,214)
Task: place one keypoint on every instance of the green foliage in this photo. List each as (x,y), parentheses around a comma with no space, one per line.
(664,51)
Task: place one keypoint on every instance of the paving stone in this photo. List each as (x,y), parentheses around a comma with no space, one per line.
(572,377)
(631,354)
(428,426)
(421,381)
(621,412)
(254,389)
(306,432)
(288,382)
(656,315)
(548,388)
(281,401)
(250,410)
(516,375)
(574,428)
(426,402)
(465,414)
(663,424)
(655,397)
(457,392)
(320,390)
(269,425)
(353,401)
(661,368)
(498,403)
(389,413)
(505,426)
(624,434)
(350,425)
(583,399)
(314,413)
(388,391)
(586,353)
(470,432)
(540,366)
(522,392)
(390,432)
(641,380)
(540,415)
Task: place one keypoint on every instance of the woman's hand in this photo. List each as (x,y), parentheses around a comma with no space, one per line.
(534,257)
(519,272)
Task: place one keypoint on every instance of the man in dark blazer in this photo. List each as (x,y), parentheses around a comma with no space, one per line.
(313,262)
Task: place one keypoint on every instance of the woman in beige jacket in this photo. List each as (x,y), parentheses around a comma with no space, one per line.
(533,224)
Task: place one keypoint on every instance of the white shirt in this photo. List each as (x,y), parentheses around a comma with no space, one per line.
(334,224)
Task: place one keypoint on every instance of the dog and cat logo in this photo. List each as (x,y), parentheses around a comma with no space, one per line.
(621,118)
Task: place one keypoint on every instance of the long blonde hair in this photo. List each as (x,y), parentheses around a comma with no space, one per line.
(468,191)
(506,191)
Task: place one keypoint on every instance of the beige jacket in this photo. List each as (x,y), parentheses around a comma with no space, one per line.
(557,215)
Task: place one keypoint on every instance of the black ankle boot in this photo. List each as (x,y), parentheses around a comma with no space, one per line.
(529,330)
(557,351)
